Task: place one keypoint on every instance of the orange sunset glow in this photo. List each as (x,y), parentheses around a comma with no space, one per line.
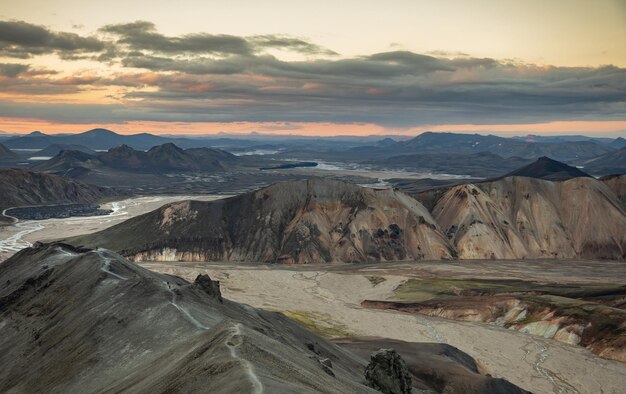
(426,66)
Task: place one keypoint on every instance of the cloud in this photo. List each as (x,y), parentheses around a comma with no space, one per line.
(143,36)
(223,78)
(20,39)
(12,70)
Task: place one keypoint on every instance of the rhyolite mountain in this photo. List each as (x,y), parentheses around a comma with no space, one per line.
(89,321)
(21,187)
(546,168)
(304,221)
(528,218)
(316,221)
(159,159)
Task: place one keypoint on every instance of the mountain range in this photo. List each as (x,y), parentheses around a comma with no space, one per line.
(95,139)
(159,159)
(321,221)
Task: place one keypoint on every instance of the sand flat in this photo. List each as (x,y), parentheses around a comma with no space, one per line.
(534,363)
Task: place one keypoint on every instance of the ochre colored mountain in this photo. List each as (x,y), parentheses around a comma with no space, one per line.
(317,221)
(305,221)
(519,217)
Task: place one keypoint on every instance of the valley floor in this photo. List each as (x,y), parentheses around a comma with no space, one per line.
(328,300)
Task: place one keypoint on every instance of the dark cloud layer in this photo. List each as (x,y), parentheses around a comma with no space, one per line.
(213,77)
(23,40)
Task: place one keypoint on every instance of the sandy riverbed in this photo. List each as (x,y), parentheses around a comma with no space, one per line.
(534,363)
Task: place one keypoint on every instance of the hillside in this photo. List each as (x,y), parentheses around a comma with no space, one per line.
(607,164)
(305,221)
(55,149)
(90,321)
(7,155)
(319,221)
(22,187)
(518,217)
(546,168)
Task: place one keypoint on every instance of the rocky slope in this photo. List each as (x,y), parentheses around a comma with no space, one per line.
(22,187)
(89,321)
(316,221)
(305,221)
(519,217)
(617,184)
(546,168)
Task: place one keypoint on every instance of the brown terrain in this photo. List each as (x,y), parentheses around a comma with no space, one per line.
(313,221)
(306,221)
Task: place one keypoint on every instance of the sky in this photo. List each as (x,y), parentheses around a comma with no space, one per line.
(315,68)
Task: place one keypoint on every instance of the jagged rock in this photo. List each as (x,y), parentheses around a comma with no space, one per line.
(211,287)
(388,373)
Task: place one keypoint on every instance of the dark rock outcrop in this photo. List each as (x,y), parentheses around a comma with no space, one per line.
(211,287)
(387,372)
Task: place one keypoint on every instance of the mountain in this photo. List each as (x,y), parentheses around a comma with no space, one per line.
(22,187)
(546,168)
(317,221)
(481,164)
(453,143)
(562,138)
(519,217)
(96,139)
(618,143)
(55,149)
(7,154)
(607,164)
(34,140)
(159,159)
(89,321)
(304,221)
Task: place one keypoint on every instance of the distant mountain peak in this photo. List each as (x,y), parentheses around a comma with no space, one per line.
(550,169)
(100,132)
(36,134)
(167,147)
